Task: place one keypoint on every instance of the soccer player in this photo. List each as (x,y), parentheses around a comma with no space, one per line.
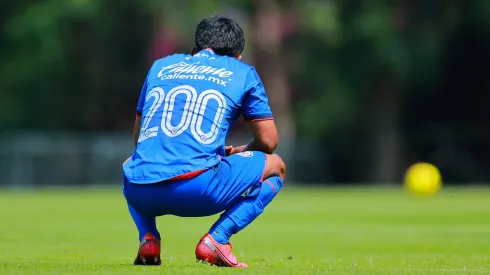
(181,165)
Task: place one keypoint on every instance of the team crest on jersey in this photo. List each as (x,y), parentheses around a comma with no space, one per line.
(246,154)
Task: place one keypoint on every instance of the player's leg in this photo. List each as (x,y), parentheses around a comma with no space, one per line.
(246,210)
(247,172)
(185,198)
(145,225)
(149,237)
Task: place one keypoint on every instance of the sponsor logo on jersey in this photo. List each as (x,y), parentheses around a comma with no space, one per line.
(246,193)
(195,71)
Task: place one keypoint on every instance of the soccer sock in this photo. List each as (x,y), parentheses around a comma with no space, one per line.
(244,212)
(223,229)
(144,224)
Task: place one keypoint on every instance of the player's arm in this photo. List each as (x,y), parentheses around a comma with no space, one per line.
(136,130)
(139,112)
(258,116)
(265,137)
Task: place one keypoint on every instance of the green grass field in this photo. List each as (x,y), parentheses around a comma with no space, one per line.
(304,231)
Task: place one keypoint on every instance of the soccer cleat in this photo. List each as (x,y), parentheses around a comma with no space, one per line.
(210,251)
(149,251)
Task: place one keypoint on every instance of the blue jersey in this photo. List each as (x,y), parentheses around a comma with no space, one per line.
(188,104)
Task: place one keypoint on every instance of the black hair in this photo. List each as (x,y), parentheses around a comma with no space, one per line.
(223,35)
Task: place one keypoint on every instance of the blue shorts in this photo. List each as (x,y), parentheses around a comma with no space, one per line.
(235,178)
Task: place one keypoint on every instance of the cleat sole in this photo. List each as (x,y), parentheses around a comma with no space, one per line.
(204,261)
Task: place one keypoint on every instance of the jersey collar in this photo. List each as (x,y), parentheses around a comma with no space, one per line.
(208,51)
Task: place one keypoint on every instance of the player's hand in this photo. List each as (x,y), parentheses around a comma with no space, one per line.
(229,150)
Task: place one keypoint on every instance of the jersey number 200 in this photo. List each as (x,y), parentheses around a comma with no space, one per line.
(192,115)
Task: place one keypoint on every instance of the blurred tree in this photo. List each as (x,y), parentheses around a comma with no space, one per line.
(359,60)
(69,62)
(268,57)
(356,76)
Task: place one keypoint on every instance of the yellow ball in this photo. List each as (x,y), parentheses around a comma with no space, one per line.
(423,179)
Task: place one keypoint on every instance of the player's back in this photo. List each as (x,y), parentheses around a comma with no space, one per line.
(188,104)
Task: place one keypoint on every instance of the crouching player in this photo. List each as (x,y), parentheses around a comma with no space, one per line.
(181,165)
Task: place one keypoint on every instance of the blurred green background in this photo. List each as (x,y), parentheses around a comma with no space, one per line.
(360,89)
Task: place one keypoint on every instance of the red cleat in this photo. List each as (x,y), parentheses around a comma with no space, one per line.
(210,251)
(149,251)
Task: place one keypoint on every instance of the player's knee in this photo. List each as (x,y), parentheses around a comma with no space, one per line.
(281,166)
(276,166)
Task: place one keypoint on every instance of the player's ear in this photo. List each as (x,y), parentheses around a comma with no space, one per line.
(193,50)
(239,57)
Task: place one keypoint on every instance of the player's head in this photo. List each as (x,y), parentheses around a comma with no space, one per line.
(223,35)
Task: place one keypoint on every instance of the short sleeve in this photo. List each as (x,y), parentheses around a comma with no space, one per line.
(255,102)
(141,101)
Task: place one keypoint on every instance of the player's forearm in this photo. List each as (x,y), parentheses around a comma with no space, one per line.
(257,146)
(135,140)
(238,149)
(265,137)
(136,130)
(136,134)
